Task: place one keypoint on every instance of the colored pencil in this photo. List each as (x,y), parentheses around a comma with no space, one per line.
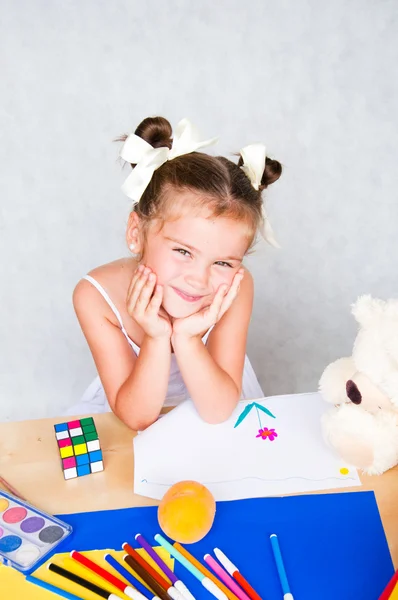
(52,588)
(205,571)
(146,577)
(83,582)
(205,581)
(166,585)
(130,577)
(287,595)
(115,581)
(234,572)
(177,583)
(11,489)
(390,587)
(225,577)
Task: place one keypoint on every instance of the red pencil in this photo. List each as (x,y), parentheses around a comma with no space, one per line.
(390,587)
(118,583)
(234,572)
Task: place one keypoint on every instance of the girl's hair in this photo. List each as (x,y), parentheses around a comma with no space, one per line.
(216,183)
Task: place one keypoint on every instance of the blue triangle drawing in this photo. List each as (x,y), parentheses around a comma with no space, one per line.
(247,410)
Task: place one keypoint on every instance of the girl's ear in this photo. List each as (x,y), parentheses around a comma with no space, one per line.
(133,234)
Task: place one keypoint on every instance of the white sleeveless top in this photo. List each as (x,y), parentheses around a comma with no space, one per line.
(94,399)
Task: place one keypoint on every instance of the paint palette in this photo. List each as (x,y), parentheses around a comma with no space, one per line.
(79,448)
(27,534)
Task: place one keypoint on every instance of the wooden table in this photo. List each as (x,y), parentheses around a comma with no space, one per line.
(29,460)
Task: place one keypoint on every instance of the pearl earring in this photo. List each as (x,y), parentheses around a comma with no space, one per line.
(132,247)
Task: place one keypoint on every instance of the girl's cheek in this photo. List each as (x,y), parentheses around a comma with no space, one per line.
(170,271)
(222,278)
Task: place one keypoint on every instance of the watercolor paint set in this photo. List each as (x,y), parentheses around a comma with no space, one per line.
(27,534)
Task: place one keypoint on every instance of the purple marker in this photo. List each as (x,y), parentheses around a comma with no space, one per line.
(177,583)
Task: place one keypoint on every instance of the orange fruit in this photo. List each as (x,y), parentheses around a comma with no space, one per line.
(186,512)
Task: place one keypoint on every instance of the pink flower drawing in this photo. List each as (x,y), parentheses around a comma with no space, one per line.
(266,433)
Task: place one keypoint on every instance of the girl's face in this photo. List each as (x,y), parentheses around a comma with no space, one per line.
(192,256)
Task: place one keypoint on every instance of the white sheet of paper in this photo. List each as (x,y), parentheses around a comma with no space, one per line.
(232,462)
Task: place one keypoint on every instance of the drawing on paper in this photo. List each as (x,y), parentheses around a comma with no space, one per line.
(267,434)
(257,452)
(263,433)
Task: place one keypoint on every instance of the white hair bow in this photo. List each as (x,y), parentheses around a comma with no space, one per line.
(147,159)
(254,157)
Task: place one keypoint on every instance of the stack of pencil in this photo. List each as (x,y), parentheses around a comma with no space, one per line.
(225,583)
(161,583)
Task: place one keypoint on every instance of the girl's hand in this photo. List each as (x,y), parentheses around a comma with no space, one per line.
(144,299)
(198,323)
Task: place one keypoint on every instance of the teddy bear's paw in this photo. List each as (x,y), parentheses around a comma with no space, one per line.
(373,470)
(385,443)
(356,452)
(349,430)
(368,442)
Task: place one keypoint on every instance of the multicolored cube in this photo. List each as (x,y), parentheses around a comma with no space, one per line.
(79,447)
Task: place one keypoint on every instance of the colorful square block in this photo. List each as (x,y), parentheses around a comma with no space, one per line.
(82,459)
(70,473)
(94,445)
(61,427)
(66,452)
(63,443)
(79,448)
(97,466)
(95,456)
(89,429)
(75,431)
(91,436)
(83,470)
(79,439)
(67,463)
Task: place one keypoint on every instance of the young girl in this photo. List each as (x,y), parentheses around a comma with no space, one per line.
(170,322)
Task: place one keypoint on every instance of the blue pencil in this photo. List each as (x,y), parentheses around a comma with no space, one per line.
(130,578)
(287,595)
(52,588)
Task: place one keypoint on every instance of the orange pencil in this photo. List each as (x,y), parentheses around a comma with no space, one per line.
(205,571)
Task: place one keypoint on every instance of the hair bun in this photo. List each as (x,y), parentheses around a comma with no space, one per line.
(156,131)
(272,172)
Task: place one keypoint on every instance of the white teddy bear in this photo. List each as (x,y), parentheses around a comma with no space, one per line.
(363,426)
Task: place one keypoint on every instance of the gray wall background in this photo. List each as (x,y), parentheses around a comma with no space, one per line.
(315,80)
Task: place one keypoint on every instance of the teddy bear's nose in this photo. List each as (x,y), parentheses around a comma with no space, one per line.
(353,392)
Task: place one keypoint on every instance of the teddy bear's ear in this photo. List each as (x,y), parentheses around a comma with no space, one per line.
(366,309)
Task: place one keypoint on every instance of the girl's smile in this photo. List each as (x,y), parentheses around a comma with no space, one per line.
(185,296)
